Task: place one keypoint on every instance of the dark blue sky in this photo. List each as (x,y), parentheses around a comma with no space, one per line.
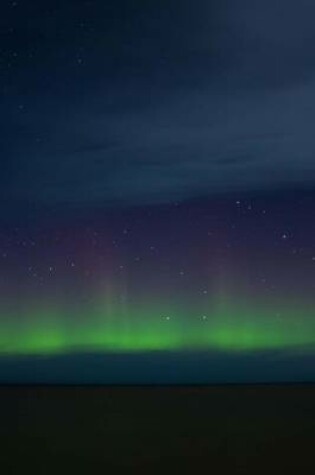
(150,102)
(157,149)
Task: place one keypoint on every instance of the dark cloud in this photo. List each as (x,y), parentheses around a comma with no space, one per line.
(169,100)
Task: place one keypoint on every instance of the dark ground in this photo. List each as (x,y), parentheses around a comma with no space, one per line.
(232,429)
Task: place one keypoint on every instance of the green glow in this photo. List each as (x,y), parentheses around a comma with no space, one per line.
(118,328)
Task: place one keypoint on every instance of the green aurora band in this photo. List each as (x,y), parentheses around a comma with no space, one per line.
(115,329)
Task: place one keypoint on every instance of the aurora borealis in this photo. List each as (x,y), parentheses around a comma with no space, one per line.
(157,191)
(224,276)
(47,334)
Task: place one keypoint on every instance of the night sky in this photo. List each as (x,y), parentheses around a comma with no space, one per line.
(157,191)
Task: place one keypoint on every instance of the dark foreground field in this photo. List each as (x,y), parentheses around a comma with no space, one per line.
(217,429)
